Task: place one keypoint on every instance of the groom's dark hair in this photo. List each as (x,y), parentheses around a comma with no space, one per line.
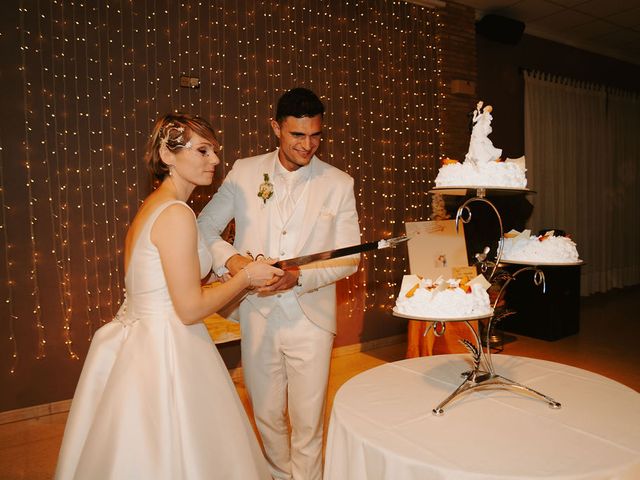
(299,102)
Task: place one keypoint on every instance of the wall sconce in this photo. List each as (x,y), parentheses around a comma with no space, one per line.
(189,82)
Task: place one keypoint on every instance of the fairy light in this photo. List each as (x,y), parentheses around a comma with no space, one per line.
(134,115)
(80,206)
(376,64)
(12,317)
(31,199)
(93,263)
(62,251)
(112,238)
(439,94)
(122,157)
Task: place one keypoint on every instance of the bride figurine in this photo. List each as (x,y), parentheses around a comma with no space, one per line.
(481,150)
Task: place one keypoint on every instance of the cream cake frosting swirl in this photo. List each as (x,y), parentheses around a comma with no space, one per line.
(442,298)
(547,248)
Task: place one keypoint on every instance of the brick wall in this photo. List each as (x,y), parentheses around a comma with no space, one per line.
(458,62)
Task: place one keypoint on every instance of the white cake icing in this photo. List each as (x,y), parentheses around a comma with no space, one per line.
(524,247)
(490,174)
(442,298)
(481,166)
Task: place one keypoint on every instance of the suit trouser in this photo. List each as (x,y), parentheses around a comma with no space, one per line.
(286,364)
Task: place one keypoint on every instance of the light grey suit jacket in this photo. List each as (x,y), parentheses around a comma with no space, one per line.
(330,221)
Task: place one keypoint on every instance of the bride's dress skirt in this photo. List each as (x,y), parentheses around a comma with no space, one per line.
(155,401)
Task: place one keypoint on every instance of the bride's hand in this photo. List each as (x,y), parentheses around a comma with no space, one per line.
(261,272)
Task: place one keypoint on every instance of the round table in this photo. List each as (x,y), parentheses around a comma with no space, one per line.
(382,427)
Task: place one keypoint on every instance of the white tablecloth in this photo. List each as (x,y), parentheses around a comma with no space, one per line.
(382,427)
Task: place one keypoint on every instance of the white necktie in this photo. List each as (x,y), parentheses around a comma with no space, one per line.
(287,204)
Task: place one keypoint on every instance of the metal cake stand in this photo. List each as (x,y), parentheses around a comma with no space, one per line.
(483,375)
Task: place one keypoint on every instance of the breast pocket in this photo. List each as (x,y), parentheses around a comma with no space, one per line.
(327,215)
(324,229)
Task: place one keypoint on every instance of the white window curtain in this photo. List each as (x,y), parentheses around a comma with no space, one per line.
(582,145)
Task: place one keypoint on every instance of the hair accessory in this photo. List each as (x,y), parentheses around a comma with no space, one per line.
(172,137)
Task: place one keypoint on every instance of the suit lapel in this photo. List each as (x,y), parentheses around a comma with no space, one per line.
(316,195)
(266,209)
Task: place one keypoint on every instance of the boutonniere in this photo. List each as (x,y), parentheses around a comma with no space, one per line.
(265,191)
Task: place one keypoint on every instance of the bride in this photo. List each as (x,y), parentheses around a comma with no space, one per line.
(481,149)
(155,400)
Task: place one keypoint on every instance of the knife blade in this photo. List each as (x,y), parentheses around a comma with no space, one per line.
(339,252)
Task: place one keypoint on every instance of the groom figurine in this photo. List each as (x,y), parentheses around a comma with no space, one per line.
(287,203)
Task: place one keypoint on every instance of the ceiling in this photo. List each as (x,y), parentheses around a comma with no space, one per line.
(607,27)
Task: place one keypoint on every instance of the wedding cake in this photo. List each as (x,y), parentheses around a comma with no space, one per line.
(446,299)
(547,248)
(482,166)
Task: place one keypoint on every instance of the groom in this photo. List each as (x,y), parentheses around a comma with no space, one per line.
(287,203)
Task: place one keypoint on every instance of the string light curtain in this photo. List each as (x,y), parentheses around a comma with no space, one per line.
(92,78)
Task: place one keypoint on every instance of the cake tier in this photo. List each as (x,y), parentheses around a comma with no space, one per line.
(420,297)
(489,174)
(539,249)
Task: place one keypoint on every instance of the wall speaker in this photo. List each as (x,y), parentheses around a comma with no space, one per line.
(500,29)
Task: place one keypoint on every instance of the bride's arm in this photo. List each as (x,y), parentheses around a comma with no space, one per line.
(175,235)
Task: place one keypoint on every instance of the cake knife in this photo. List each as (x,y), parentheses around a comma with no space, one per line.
(340,252)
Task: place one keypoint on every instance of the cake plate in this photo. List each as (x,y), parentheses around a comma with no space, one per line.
(542,264)
(480,190)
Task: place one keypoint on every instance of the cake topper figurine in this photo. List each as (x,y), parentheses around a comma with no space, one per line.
(481,149)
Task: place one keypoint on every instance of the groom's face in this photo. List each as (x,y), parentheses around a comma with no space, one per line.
(299,140)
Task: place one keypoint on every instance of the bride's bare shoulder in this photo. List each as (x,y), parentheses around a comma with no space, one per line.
(170,215)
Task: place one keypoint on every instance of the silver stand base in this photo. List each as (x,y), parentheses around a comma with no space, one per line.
(486,378)
(482,380)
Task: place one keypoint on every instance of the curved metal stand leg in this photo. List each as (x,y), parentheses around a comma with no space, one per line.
(477,354)
(464,386)
(464,208)
(472,378)
(505,382)
(492,382)
(426,330)
(538,279)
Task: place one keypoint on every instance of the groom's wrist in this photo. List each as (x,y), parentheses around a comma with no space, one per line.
(236,263)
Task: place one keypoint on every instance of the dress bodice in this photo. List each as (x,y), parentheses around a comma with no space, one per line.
(146,286)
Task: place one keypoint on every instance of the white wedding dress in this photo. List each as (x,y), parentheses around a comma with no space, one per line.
(155,400)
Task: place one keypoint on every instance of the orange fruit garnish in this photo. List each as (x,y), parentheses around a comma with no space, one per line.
(410,293)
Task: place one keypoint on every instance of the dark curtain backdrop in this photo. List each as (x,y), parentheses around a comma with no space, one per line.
(83,82)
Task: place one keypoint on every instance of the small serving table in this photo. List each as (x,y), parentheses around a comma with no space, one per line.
(382,427)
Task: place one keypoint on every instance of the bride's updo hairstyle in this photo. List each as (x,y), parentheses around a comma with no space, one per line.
(174,131)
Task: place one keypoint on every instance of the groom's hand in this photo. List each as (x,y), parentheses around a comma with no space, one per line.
(285,282)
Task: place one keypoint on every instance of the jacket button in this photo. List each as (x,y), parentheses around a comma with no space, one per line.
(284,232)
